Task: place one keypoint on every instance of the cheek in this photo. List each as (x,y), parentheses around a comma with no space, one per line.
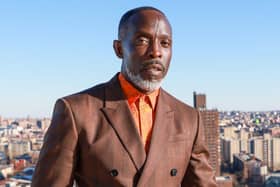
(167,58)
(136,53)
(168,54)
(140,51)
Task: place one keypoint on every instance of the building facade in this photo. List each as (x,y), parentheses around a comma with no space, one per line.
(210,120)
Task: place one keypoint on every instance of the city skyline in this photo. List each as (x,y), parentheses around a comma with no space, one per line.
(227,50)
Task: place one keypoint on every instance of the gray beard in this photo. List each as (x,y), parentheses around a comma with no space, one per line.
(139,82)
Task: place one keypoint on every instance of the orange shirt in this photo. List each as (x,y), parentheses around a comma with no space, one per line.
(142,107)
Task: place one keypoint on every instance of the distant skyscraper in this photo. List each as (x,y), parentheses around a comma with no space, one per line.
(199,101)
(230,147)
(257,148)
(275,154)
(249,168)
(210,120)
(230,132)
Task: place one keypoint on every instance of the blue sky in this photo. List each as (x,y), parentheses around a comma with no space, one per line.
(229,50)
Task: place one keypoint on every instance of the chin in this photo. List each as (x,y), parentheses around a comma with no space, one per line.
(142,84)
(145,85)
(148,85)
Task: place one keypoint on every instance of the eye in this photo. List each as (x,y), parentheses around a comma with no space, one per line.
(165,43)
(142,41)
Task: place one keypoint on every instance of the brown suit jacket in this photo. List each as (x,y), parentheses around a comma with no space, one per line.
(94,141)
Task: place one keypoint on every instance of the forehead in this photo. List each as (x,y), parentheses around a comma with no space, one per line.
(149,21)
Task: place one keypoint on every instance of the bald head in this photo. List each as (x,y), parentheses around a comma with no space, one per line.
(145,47)
(123,24)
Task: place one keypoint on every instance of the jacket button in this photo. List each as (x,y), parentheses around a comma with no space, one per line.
(173,172)
(114,172)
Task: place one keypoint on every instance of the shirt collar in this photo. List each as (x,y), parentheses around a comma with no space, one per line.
(132,94)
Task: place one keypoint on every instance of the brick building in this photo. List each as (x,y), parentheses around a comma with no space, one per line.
(210,120)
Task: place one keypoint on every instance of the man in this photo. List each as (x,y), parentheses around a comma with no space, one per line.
(128,131)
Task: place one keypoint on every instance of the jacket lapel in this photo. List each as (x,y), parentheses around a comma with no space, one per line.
(118,114)
(164,118)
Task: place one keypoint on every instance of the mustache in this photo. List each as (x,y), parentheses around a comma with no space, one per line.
(147,63)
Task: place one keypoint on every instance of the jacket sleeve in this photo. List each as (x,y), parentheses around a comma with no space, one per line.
(58,156)
(199,172)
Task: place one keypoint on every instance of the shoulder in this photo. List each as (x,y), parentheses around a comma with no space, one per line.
(91,98)
(184,114)
(93,95)
(185,117)
(177,104)
(95,92)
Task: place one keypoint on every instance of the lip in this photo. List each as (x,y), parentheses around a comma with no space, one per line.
(152,71)
(152,67)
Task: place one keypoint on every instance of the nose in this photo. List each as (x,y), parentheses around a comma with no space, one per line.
(154,51)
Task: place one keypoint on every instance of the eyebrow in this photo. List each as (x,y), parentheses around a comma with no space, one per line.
(144,33)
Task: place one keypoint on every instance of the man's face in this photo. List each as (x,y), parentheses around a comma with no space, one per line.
(146,47)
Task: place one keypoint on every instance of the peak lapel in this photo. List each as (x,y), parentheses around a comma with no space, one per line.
(118,113)
(164,117)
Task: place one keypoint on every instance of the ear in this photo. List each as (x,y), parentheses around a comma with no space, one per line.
(118,48)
